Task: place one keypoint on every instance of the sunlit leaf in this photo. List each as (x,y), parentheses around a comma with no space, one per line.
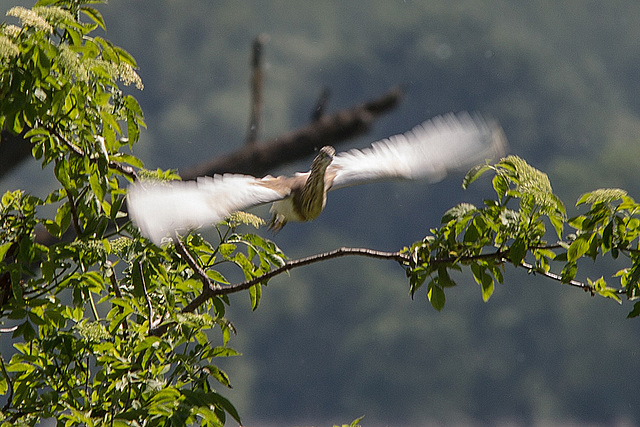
(579,247)
(474,174)
(436,296)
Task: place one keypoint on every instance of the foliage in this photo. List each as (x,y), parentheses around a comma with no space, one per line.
(487,238)
(82,306)
(109,328)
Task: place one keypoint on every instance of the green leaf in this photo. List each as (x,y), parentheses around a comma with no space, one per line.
(164,402)
(218,374)
(635,312)
(255,292)
(579,247)
(444,279)
(488,285)
(356,422)
(436,296)
(226,249)
(97,186)
(568,272)
(26,331)
(417,277)
(62,173)
(500,185)
(474,174)
(199,398)
(136,279)
(4,248)
(94,15)
(63,218)
(517,251)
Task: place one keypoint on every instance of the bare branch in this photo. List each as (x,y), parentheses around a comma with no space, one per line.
(260,158)
(223,290)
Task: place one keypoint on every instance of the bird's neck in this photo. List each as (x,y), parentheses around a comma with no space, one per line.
(311,199)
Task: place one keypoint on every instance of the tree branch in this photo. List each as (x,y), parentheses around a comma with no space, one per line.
(402,258)
(127,170)
(224,290)
(260,158)
(532,268)
(210,292)
(207,284)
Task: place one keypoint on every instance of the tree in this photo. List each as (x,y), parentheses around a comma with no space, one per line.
(109,328)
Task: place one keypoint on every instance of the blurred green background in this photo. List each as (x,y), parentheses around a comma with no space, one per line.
(341,339)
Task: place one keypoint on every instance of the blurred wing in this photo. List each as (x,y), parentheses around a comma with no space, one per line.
(429,150)
(161,209)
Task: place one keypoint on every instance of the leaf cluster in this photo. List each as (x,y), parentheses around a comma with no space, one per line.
(513,228)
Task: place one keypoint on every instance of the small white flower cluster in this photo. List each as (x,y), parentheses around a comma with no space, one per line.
(128,75)
(7,48)
(54,14)
(30,18)
(71,62)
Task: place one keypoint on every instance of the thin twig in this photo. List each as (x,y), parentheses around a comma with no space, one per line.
(77,150)
(74,214)
(9,383)
(116,290)
(557,277)
(146,296)
(126,170)
(207,284)
(402,258)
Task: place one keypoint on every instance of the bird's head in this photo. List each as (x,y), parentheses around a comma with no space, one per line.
(325,156)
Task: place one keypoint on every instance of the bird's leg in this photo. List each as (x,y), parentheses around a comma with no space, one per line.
(277,222)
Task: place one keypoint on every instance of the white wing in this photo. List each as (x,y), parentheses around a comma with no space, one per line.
(429,150)
(161,209)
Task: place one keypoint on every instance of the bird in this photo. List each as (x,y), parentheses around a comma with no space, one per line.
(429,151)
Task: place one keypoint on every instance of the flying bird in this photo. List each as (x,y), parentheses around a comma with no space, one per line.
(428,151)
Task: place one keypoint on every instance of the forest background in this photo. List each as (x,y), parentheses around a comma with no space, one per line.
(337,340)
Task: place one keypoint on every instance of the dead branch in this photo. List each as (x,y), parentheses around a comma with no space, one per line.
(260,158)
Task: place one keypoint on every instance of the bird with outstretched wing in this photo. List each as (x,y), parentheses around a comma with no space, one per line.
(428,151)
